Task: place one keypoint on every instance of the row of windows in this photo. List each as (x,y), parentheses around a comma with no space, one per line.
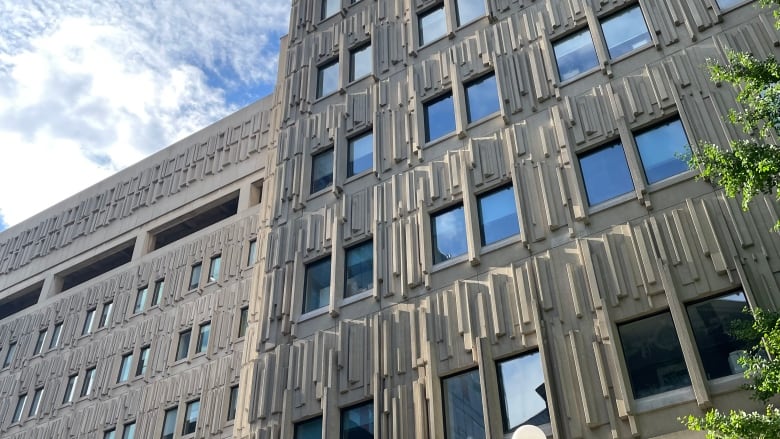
(184,343)
(40,342)
(358,276)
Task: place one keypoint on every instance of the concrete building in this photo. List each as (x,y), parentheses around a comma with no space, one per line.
(452,218)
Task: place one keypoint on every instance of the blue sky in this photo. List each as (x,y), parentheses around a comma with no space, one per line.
(89,87)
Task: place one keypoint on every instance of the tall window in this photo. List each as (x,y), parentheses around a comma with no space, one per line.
(327,78)
(109,434)
(661,149)
(358,422)
(439,117)
(203,337)
(328,8)
(55,336)
(232,403)
(625,31)
(653,355)
(128,432)
(481,97)
(317,285)
(360,154)
(469,10)
(39,342)
(252,254)
(36,402)
(70,389)
(712,321)
(105,314)
(463,416)
(124,368)
(140,300)
(497,215)
(360,62)
(143,361)
(214,266)
(359,269)
(321,170)
(311,429)
(432,24)
(575,55)
(9,355)
(448,228)
(19,408)
(605,173)
(183,348)
(88,319)
(158,290)
(195,276)
(243,321)
(89,382)
(169,423)
(523,397)
(191,417)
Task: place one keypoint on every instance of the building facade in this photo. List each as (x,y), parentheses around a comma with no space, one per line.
(451,218)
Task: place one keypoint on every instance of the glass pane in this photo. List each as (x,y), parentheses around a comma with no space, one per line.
(9,355)
(195,276)
(110,434)
(214,268)
(158,289)
(243,322)
(39,342)
(140,301)
(653,356)
(625,31)
(184,345)
(449,234)
(439,117)
(129,432)
(463,416)
(361,154)
(70,388)
(191,417)
(317,285)
(203,338)
(712,322)
(89,379)
(329,7)
(498,215)
(169,424)
(725,4)
(432,25)
(660,148)
(358,422)
(327,79)
(87,328)
(124,368)
(469,10)
(359,269)
(321,171)
(575,55)
(36,402)
(361,63)
(250,260)
(232,402)
(482,98)
(605,173)
(55,337)
(143,359)
(105,314)
(19,408)
(523,398)
(311,429)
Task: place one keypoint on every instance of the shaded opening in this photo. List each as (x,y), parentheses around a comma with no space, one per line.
(195,221)
(20,300)
(98,265)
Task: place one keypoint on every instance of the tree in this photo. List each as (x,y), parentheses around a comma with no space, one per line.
(762,368)
(750,166)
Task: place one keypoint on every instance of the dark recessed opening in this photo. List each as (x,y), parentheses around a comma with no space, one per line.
(256,193)
(21,300)
(96,266)
(196,221)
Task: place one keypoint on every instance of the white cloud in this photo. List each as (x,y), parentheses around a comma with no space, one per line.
(90,87)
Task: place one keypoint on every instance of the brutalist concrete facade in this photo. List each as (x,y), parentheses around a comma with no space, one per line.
(381,288)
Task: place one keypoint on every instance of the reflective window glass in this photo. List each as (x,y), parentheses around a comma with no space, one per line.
(183,348)
(625,32)
(726,4)
(214,266)
(327,78)
(498,215)
(195,276)
(317,285)
(360,62)
(661,149)
(169,423)
(311,429)
(19,408)
(88,319)
(329,7)
(9,355)
(481,98)
(105,314)
(469,10)
(70,389)
(124,368)
(575,55)
(55,336)
(252,254)
(432,25)
(523,396)
(191,417)
(203,338)
(129,431)
(158,290)
(359,269)
(605,173)
(232,403)
(140,300)
(358,422)
(321,171)
(463,416)
(449,234)
(243,321)
(143,360)
(109,434)
(360,154)
(36,402)
(439,117)
(39,342)
(89,382)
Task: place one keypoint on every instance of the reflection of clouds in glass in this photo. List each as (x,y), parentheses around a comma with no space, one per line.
(521,378)
(451,233)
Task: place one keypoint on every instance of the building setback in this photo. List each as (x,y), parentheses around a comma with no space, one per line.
(450,219)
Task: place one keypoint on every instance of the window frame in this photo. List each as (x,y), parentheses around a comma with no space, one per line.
(428,105)
(232,405)
(311,265)
(204,332)
(434,234)
(444,399)
(18,413)
(35,404)
(89,320)
(570,37)
(54,341)
(125,365)
(196,271)
(360,245)
(480,79)
(353,76)
(306,422)
(316,189)
(128,430)
(614,15)
(140,300)
(502,391)
(324,15)
(422,41)
(215,268)
(143,361)
(106,312)
(89,382)
(187,422)
(157,292)
(243,321)
(347,409)
(480,213)
(70,389)
(40,341)
(351,172)
(183,349)
(170,414)
(323,71)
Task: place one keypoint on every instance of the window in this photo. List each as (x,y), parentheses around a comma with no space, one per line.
(19,408)
(625,32)
(311,429)
(243,321)
(124,368)
(214,265)
(9,355)
(359,269)
(89,381)
(36,402)
(523,397)
(158,290)
(191,417)
(432,25)
(39,342)
(203,337)
(653,356)
(448,228)
(169,423)
(712,321)
(358,422)
(128,432)
(321,170)
(252,254)
(140,300)
(329,7)
(360,154)
(87,328)
(183,348)
(360,62)
(70,389)
(463,415)
(143,361)
(195,276)
(481,98)
(726,4)
(575,54)
(55,336)
(327,78)
(469,10)
(317,285)
(232,403)
(661,148)
(105,314)
(439,117)
(605,173)
(109,434)
(497,215)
